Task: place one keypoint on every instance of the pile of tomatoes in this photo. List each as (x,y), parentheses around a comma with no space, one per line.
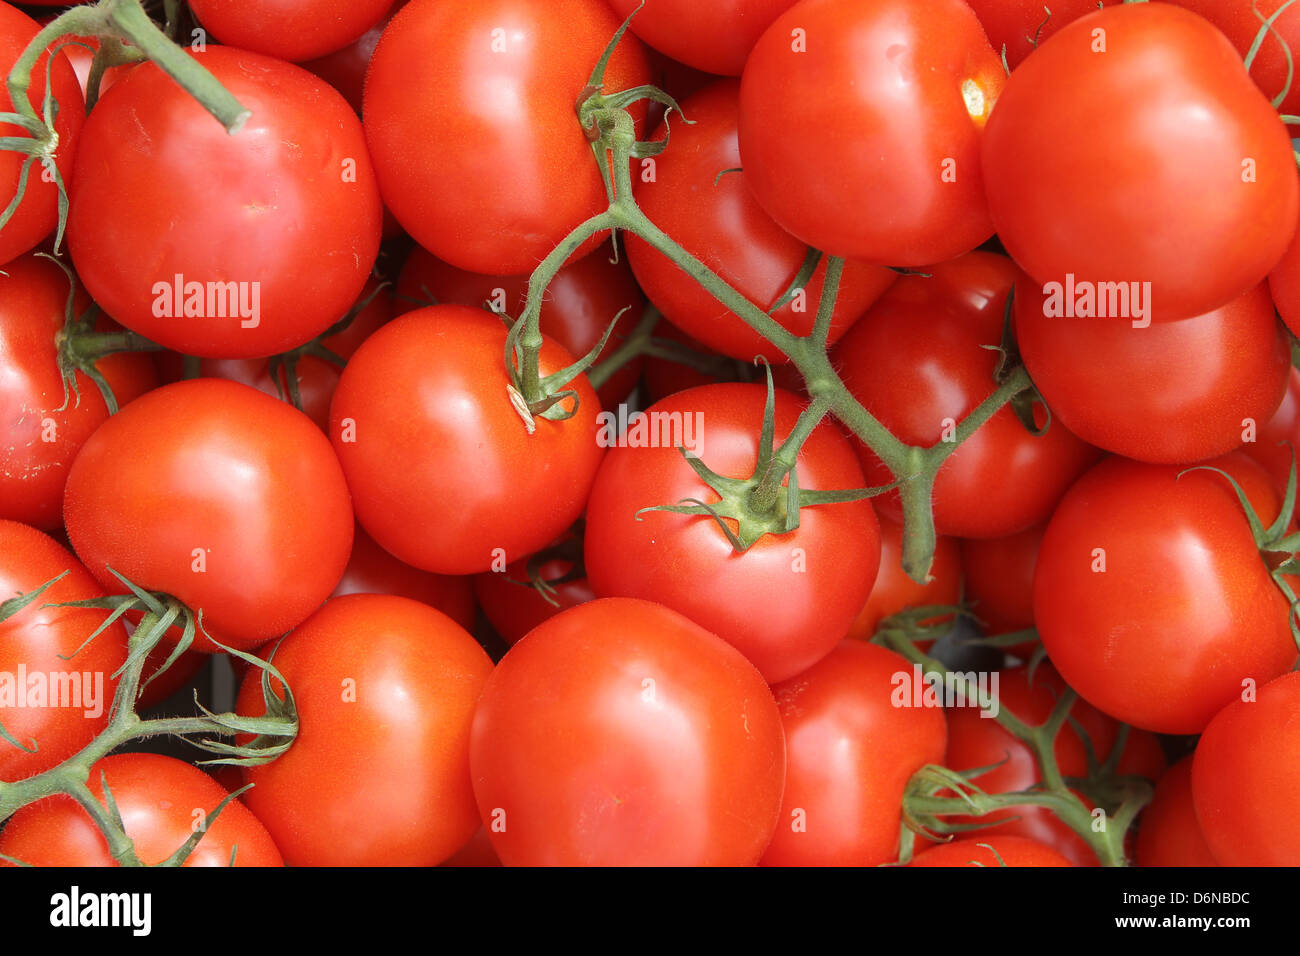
(257,362)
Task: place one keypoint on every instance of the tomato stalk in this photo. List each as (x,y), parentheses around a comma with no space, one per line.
(924,809)
(273,733)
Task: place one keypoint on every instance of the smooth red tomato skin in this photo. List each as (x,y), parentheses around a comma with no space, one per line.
(300,219)
(621,733)
(1240,24)
(1244,777)
(886,91)
(849,753)
(38,638)
(719,222)
(33,294)
(1170,392)
(894,589)
(514,607)
(714,37)
(578,307)
(1168,832)
(426,399)
(499,78)
(1016,24)
(1185,609)
(294,30)
(918,362)
(1284,285)
(345,68)
(372,570)
(382,778)
(158,798)
(974,851)
(1089,158)
(998,574)
(977,741)
(214,465)
(37,215)
(1270,447)
(805,587)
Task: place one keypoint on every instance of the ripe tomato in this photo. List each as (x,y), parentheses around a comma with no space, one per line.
(494,82)
(40,440)
(1168,832)
(993,850)
(37,215)
(714,37)
(895,590)
(345,68)
(1240,21)
(379,772)
(999,579)
(237,227)
(372,570)
(619,732)
(1244,777)
(515,607)
(918,362)
(1268,447)
(840,96)
(806,587)
(34,642)
(850,751)
(977,741)
(1151,596)
(721,224)
(663,377)
(160,799)
(1102,135)
(242,501)
(1284,285)
(580,302)
(1020,26)
(1168,392)
(421,407)
(292,30)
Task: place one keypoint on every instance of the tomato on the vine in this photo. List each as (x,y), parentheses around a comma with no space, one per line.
(1020,26)
(860,127)
(991,850)
(713,37)
(620,733)
(999,578)
(1168,832)
(515,606)
(894,590)
(240,498)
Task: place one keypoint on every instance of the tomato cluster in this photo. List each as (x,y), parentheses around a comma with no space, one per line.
(624,488)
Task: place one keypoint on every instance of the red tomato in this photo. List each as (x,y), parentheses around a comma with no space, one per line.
(379,772)
(1268,446)
(714,37)
(1240,20)
(1244,778)
(806,587)
(477,852)
(719,222)
(918,362)
(1100,138)
(1021,25)
(839,97)
(160,799)
(294,225)
(663,377)
(494,82)
(422,405)
(978,741)
(850,751)
(580,302)
(999,576)
(1284,285)
(620,733)
(289,29)
(1167,392)
(241,499)
(1184,609)
(40,440)
(345,68)
(1168,833)
(895,590)
(37,215)
(991,850)
(515,607)
(74,694)
(372,570)
(162,686)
